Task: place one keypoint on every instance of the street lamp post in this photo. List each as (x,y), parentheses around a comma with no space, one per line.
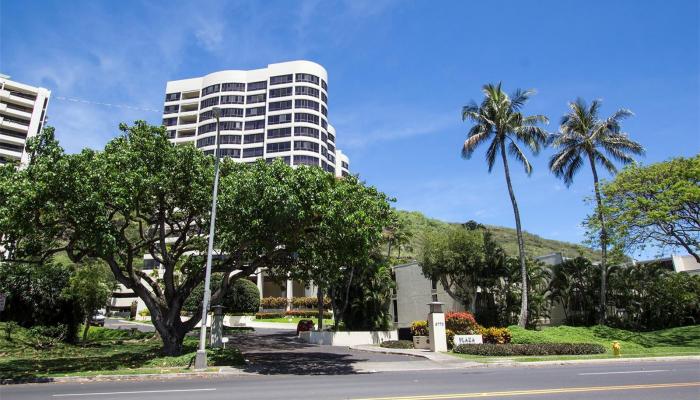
(200,361)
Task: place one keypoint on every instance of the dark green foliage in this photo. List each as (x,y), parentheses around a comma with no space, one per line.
(575,285)
(649,297)
(397,344)
(242,297)
(35,297)
(539,349)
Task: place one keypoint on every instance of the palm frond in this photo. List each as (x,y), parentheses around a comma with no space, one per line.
(516,152)
(477,134)
(492,153)
(602,160)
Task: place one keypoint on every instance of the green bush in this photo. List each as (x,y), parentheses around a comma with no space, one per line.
(273,302)
(310,302)
(397,344)
(242,296)
(496,335)
(145,312)
(539,349)
(269,315)
(419,328)
(10,327)
(307,314)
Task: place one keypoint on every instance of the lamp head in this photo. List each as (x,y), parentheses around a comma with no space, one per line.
(216,111)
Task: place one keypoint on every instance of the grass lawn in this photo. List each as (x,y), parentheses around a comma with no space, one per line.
(680,341)
(294,320)
(108,351)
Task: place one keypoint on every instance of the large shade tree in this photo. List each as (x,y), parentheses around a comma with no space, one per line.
(145,195)
(499,123)
(584,136)
(657,205)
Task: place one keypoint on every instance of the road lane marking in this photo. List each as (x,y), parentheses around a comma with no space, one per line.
(625,372)
(538,391)
(134,392)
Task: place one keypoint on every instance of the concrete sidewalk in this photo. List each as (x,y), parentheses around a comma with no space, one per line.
(447,361)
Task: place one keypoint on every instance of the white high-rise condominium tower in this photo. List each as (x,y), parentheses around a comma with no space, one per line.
(276,112)
(22,115)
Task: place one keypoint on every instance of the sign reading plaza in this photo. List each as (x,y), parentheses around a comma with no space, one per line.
(468,339)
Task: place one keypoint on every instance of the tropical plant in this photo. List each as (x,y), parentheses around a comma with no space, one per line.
(90,286)
(499,121)
(583,135)
(656,205)
(574,285)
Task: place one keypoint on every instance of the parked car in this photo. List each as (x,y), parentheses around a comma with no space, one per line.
(98,319)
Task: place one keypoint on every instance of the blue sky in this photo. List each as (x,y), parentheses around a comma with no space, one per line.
(399,73)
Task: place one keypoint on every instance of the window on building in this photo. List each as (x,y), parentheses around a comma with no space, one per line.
(279,147)
(255,111)
(346,166)
(306,145)
(233,153)
(281,92)
(253,152)
(171,109)
(280,79)
(253,138)
(172,97)
(306,91)
(209,102)
(279,133)
(324,85)
(306,117)
(305,160)
(279,119)
(324,111)
(306,131)
(207,141)
(233,87)
(303,103)
(307,78)
(280,105)
(331,137)
(230,139)
(210,89)
(231,125)
(255,98)
(251,125)
(331,148)
(232,99)
(170,121)
(257,86)
(286,159)
(324,97)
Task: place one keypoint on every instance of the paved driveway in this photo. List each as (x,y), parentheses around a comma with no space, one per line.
(272,352)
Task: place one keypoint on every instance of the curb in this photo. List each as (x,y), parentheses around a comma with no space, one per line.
(225,371)
(459,363)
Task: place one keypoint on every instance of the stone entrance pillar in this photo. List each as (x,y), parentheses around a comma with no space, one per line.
(436,322)
(217,327)
(290,293)
(260,282)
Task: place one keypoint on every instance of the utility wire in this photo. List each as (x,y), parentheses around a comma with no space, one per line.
(105,104)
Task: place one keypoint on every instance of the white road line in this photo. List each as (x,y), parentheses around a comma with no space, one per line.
(625,372)
(135,392)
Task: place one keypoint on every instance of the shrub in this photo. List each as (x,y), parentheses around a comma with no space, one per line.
(273,302)
(539,349)
(145,312)
(45,337)
(307,314)
(450,336)
(243,297)
(310,302)
(397,344)
(305,325)
(419,328)
(269,315)
(10,327)
(461,323)
(495,335)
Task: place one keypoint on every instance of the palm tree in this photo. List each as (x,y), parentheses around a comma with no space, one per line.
(498,119)
(583,135)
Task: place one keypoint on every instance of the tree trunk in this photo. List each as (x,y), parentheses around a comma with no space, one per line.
(603,244)
(87,328)
(172,343)
(522,319)
(388,253)
(319,295)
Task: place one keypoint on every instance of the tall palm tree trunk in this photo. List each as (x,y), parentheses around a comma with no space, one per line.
(603,244)
(522,319)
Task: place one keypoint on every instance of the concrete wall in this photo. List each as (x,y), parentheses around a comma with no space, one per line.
(413,293)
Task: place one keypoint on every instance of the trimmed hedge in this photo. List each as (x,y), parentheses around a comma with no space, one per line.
(461,323)
(539,349)
(310,302)
(397,344)
(273,302)
(293,313)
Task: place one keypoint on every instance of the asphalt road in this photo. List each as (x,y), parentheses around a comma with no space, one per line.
(639,381)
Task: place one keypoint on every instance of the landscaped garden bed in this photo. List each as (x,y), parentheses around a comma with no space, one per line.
(541,349)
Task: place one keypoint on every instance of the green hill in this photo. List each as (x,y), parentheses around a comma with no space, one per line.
(506,237)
